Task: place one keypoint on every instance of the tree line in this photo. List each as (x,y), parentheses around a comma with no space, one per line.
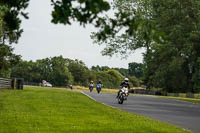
(61,71)
(168,30)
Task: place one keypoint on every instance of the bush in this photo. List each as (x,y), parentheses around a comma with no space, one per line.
(110,79)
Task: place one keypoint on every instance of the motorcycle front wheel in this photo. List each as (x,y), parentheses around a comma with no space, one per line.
(120,100)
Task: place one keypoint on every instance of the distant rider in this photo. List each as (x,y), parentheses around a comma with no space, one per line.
(99,86)
(91,85)
(71,86)
(124,83)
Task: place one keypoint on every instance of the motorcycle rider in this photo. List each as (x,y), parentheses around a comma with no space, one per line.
(99,86)
(91,85)
(71,86)
(124,83)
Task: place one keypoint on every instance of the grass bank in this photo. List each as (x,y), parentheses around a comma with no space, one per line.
(42,110)
(193,100)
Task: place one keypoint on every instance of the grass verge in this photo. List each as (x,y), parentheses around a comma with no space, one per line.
(42,110)
(193,100)
(104,90)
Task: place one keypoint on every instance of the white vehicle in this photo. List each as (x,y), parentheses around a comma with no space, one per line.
(48,84)
(45,83)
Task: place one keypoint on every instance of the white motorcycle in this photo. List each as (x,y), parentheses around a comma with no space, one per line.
(123,94)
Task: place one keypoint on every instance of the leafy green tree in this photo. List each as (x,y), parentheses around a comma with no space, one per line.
(96,68)
(53,70)
(45,68)
(132,28)
(80,72)
(110,79)
(83,11)
(115,78)
(135,69)
(174,63)
(27,70)
(60,75)
(12,10)
(92,76)
(169,30)
(135,82)
(99,68)
(7,60)
(123,71)
(10,31)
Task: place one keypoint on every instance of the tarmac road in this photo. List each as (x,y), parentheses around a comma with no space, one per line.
(180,113)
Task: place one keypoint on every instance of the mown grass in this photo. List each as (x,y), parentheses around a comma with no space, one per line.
(103,90)
(42,110)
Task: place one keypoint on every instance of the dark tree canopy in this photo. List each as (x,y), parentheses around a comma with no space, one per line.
(168,30)
(135,69)
(10,31)
(83,11)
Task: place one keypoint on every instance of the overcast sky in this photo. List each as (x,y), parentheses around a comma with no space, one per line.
(42,39)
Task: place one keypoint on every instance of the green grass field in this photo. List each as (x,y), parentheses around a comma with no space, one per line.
(51,110)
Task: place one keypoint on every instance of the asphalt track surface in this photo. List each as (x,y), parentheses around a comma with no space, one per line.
(180,113)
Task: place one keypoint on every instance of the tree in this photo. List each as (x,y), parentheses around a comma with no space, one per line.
(83,11)
(134,81)
(169,30)
(123,71)
(135,69)
(53,70)
(176,60)
(7,60)
(60,75)
(27,70)
(132,28)
(110,78)
(80,72)
(96,68)
(99,68)
(10,11)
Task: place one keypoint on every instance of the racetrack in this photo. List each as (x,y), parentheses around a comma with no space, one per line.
(177,112)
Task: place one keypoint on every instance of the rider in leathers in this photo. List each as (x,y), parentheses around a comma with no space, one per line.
(124,83)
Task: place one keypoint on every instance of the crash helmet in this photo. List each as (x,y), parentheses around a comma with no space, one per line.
(125,79)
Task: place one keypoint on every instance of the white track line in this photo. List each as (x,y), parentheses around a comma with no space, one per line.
(99,102)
